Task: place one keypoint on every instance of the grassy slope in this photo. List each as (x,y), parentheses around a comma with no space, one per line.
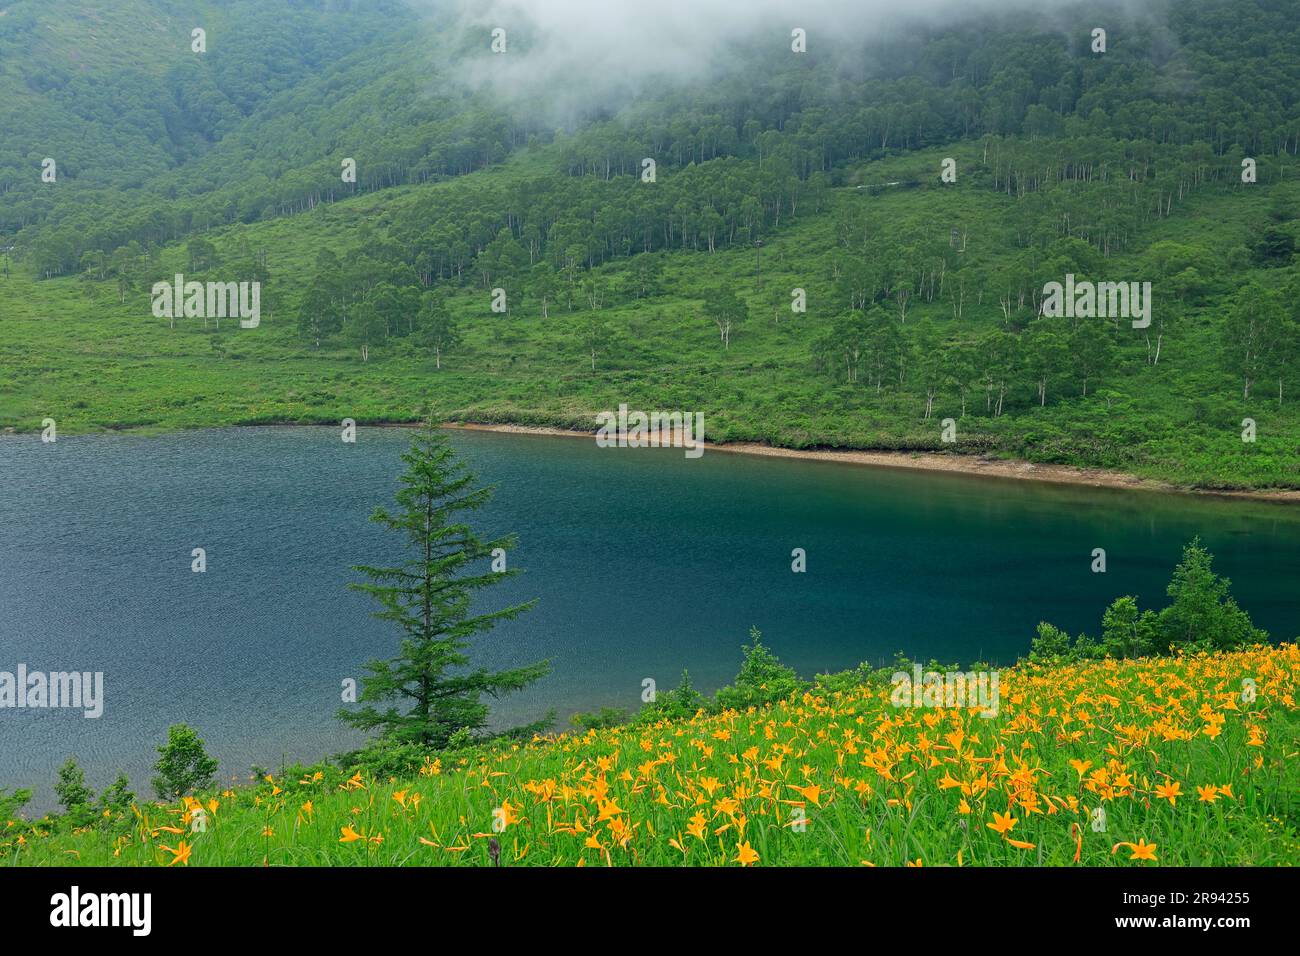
(71,351)
(874,784)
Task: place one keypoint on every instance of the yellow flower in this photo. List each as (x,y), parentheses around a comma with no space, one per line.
(696,827)
(179,855)
(1002,822)
(747,854)
(1169,790)
(812,792)
(1142,850)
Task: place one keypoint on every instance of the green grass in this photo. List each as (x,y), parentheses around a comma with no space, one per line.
(827,778)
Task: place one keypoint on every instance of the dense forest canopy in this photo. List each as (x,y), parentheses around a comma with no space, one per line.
(155,143)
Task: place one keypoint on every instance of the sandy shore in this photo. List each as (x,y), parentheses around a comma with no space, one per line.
(932,461)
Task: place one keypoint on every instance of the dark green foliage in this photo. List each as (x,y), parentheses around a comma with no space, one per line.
(600,719)
(680,703)
(184,766)
(763,679)
(1050,643)
(71,787)
(428,696)
(11,803)
(384,757)
(1202,617)
(117,798)
(74,796)
(846,680)
(145,138)
(1274,247)
(1127,631)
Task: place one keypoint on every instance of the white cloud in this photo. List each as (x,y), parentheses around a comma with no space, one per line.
(581,53)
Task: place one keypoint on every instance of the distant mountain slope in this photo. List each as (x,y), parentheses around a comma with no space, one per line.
(778,177)
(154,142)
(116,95)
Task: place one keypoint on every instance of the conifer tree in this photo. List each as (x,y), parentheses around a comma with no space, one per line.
(428,695)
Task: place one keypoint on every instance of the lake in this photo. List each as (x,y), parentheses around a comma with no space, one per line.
(644,562)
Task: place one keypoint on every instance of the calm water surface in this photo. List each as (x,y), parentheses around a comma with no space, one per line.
(645,563)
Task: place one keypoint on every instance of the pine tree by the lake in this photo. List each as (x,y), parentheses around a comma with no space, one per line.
(429,695)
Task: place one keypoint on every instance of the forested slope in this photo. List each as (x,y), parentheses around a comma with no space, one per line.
(779,178)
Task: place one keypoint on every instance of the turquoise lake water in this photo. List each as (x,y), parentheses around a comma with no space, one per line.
(644,562)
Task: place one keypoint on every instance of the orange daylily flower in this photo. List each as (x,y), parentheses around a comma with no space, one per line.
(1142,850)
(1002,822)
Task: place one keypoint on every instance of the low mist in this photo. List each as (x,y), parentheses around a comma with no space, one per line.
(578,55)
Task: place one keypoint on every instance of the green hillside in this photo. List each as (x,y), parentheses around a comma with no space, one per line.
(819,173)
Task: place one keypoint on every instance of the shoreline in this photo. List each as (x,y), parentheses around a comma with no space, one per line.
(978,466)
(956,464)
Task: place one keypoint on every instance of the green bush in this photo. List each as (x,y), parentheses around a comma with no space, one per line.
(1202,617)
(763,679)
(601,719)
(183,764)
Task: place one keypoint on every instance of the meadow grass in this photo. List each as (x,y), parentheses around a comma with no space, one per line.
(1187,766)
